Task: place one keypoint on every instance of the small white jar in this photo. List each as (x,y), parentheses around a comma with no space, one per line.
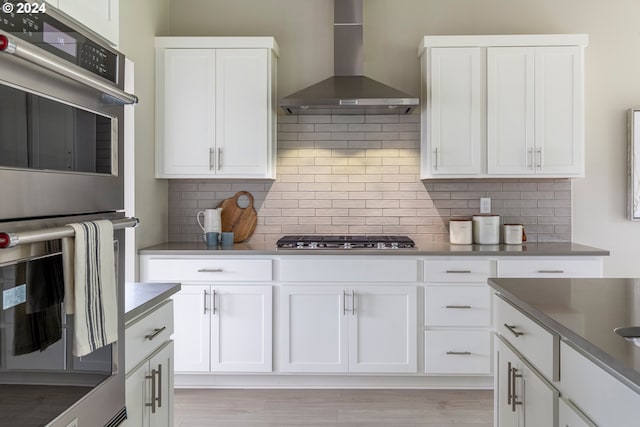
(460,231)
(486,229)
(513,234)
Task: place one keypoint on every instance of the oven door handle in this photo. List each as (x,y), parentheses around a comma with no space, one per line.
(24,51)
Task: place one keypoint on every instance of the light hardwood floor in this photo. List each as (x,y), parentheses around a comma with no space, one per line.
(325,408)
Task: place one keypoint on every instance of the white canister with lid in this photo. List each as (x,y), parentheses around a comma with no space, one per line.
(460,231)
(486,229)
(513,234)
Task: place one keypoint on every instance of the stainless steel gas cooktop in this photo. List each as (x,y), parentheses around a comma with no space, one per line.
(345,242)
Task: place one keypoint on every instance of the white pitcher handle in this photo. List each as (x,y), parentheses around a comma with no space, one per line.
(198,219)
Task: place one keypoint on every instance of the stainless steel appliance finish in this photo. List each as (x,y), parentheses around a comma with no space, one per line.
(349,88)
(56,386)
(345,242)
(61,110)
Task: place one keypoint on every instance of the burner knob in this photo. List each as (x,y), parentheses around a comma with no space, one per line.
(347,245)
(380,245)
(394,245)
(313,245)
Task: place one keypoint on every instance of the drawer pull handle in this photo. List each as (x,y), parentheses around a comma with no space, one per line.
(512,328)
(210,270)
(159,398)
(514,402)
(509,391)
(459,353)
(156,332)
(551,271)
(458,271)
(458,306)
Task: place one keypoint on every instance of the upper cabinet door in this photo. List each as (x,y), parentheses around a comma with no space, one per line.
(102,16)
(510,110)
(185,113)
(559,123)
(242,112)
(454,125)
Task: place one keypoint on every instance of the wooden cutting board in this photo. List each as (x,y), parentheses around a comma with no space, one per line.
(242,221)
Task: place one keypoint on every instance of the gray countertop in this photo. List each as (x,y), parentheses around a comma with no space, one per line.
(140,297)
(435,249)
(585,312)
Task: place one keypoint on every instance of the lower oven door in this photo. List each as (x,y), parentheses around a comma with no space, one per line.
(41,382)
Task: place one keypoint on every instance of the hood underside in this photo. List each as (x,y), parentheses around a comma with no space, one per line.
(348,90)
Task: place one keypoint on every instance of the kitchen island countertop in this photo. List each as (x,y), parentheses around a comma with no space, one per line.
(139,297)
(435,249)
(585,313)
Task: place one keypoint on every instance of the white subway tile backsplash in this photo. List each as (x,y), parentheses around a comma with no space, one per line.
(359,174)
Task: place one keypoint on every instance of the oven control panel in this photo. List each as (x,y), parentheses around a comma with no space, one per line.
(60,39)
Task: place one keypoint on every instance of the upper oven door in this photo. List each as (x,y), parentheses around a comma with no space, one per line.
(61,129)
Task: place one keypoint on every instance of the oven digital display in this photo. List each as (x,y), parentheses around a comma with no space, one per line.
(58,39)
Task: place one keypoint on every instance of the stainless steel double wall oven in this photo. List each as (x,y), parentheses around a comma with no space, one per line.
(62,104)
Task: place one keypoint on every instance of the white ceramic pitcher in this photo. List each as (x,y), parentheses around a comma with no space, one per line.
(211,221)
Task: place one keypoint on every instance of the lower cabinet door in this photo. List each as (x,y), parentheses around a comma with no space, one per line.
(507,412)
(241,333)
(161,366)
(313,329)
(383,329)
(192,328)
(540,399)
(137,389)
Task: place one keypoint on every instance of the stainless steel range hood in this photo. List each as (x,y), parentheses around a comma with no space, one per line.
(348,89)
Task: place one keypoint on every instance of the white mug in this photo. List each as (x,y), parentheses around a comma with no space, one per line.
(212,222)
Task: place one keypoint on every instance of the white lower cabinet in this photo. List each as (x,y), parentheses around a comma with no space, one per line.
(523,397)
(223,328)
(149,390)
(570,416)
(358,329)
(149,368)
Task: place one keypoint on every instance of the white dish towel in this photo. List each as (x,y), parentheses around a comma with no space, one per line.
(91,285)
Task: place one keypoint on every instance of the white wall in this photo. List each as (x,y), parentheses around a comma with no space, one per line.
(392,31)
(140,22)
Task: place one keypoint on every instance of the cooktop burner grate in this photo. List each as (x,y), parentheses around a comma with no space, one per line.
(345,242)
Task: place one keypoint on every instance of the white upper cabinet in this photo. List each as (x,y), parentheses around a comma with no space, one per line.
(102,16)
(453,145)
(503,106)
(216,107)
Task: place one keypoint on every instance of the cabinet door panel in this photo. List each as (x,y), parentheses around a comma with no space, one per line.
(505,360)
(559,116)
(455,130)
(192,328)
(510,110)
(313,329)
(382,329)
(186,111)
(161,365)
(242,112)
(540,407)
(137,389)
(241,329)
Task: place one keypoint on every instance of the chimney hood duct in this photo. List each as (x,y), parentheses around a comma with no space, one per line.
(348,89)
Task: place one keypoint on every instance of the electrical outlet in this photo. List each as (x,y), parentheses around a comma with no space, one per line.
(73,423)
(485,205)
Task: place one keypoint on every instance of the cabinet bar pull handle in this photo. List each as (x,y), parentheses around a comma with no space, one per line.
(353,303)
(551,271)
(213,306)
(211,161)
(539,160)
(509,391)
(458,271)
(514,402)
(210,270)
(156,332)
(512,328)
(205,302)
(159,386)
(459,353)
(458,306)
(435,163)
(344,302)
(219,158)
(530,158)
(152,377)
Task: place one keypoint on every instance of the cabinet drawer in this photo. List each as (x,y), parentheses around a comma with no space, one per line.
(369,270)
(457,352)
(457,271)
(550,268)
(605,400)
(538,346)
(149,332)
(208,270)
(453,305)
